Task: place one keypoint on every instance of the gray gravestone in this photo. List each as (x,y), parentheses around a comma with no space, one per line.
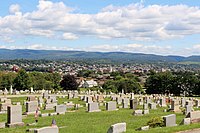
(188,109)
(133,104)
(117,128)
(138,112)
(152,105)
(170,120)
(60,109)
(145,106)
(93,107)
(14,116)
(110,106)
(163,102)
(119,100)
(31,107)
(50,106)
(145,111)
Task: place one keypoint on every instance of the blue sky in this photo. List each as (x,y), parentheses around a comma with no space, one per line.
(149,26)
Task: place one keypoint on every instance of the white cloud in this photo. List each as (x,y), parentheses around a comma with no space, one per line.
(69,36)
(133,22)
(133,48)
(14,8)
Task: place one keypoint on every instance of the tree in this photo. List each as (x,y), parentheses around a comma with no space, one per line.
(69,82)
(159,83)
(22,81)
(129,85)
(54,78)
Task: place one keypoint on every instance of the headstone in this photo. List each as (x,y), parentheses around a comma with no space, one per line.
(110,106)
(3,106)
(93,107)
(163,102)
(14,116)
(170,120)
(44,115)
(183,102)
(117,128)
(53,98)
(145,106)
(52,129)
(197,103)
(125,105)
(145,111)
(175,106)
(31,107)
(137,112)
(189,103)
(7,101)
(152,105)
(11,90)
(144,128)
(75,95)
(132,95)
(133,104)
(194,116)
(119,100)
(100,98)
(70,95)
(32,90)
(45,94)
(185,121)
(50,106)
(70,105)
(3,99)
(31,98)
(113,98)
(188,109)
(61,109)
(89,99)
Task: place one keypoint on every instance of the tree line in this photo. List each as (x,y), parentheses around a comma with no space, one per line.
(177,83)
(38,80)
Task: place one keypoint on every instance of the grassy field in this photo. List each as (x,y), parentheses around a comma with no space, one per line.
(98,122)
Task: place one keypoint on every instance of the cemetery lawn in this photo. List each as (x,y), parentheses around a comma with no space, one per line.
(97,122)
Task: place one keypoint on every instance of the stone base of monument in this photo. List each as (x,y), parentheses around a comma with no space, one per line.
(52,114)
(30,113)
(44,115)
(61,113)
(47,130)
(15,124)
(94,111)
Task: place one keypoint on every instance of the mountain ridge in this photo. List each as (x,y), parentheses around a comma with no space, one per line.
(8,54)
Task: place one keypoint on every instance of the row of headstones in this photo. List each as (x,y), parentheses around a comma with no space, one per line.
(14,117)
(112,105)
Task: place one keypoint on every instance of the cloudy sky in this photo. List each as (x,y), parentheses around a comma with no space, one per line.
(137,26)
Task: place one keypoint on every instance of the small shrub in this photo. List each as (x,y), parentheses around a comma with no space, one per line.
(156,122)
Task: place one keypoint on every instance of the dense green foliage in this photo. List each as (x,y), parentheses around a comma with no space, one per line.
(22,81)
(128,82)
(156,122)
(185,83)
(69,82)
(6,79)
(25,80)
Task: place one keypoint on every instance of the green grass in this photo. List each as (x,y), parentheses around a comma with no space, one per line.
(98,122)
